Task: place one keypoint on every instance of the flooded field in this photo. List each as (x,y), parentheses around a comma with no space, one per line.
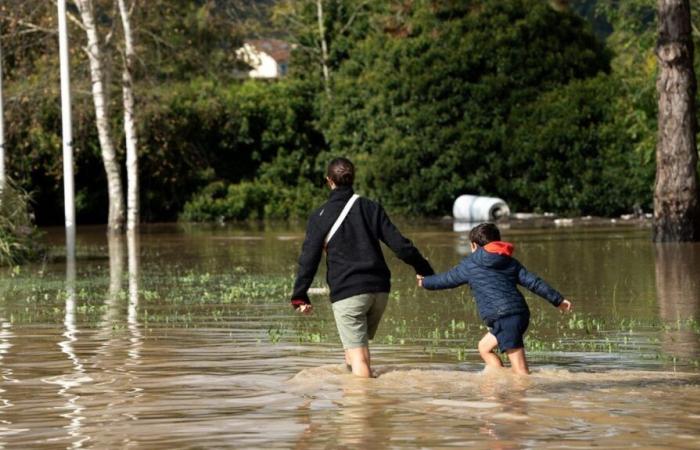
(184,338)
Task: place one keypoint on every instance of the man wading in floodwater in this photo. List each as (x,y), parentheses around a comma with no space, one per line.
(350,227)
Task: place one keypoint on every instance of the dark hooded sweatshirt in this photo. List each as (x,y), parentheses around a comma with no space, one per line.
(493,276)
(354,255)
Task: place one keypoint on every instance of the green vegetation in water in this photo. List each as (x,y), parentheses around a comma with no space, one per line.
(19,239)
(259,306)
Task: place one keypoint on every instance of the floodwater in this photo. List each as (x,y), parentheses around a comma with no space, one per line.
(183,338)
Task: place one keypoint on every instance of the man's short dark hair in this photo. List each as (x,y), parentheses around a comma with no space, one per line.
(341,171)
(484,233)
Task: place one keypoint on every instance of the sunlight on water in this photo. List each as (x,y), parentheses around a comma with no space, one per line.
(183,337)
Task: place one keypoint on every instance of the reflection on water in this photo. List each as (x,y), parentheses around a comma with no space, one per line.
(136,338)
(70,382)
(6,338)
(678,294)
(177,339)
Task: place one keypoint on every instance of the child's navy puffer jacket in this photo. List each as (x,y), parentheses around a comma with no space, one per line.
(493,276)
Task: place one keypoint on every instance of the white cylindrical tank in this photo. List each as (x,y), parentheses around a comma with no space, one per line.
(473,208)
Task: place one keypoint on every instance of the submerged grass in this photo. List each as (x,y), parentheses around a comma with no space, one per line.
(257,305)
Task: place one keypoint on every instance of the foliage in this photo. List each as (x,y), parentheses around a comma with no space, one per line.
(201,131)
(19,238)
(246,200)
(430,98)
(424,108)
(568,152)
(191,133)
(345,22)
(179,44)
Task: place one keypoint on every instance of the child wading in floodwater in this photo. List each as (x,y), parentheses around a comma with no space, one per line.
(493,276)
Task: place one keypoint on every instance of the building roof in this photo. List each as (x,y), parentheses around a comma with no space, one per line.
(277,49)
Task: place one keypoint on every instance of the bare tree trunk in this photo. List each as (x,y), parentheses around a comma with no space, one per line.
(115,221)
(324,48)
(132,164)
(676,208)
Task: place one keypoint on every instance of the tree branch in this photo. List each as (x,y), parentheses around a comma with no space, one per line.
(353,16)
(75,20)
(35,28)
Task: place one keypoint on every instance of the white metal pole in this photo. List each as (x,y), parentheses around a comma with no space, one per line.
(2,127)
(68,194)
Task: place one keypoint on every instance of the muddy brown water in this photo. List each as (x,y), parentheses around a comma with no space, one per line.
(183,338)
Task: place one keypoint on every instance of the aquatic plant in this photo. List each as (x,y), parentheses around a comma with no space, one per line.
(19,238)
(254,307)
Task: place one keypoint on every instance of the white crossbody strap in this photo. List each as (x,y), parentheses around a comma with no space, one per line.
(340,218)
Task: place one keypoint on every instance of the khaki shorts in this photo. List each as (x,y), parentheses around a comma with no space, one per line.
(357,318)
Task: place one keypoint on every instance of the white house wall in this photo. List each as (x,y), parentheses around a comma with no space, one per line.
(264,65)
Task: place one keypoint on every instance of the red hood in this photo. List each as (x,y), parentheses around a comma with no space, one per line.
(500,248)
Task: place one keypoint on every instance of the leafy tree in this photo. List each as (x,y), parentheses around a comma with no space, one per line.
(200,132)
(177,41)
(423,103)
(567,152)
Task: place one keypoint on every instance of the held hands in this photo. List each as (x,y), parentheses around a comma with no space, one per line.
(565,306)
(419,280)
(305,309)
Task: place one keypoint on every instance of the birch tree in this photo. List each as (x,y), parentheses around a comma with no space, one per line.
(676,206)
(316,26)
(324,47)
(132,167)
(115,221)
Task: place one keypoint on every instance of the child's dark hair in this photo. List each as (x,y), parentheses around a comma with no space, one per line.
(484,233)
(341,171)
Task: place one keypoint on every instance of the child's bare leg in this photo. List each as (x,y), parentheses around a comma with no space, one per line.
(518,361)
(359,360)
(486,346)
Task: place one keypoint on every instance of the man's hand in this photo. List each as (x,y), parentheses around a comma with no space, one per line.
(565,306)
(419,280)
(305,309)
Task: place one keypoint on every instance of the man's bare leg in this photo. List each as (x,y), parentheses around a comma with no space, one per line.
(518,361)
(486,346)
(358,358)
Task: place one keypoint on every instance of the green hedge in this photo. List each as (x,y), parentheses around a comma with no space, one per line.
(221,202)
(190,134)
(570,152)
(427,110)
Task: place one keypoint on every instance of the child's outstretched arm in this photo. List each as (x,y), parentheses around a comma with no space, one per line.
(537,285)
(454,277)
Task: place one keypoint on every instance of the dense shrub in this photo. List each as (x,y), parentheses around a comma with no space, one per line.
(246,200)
(425,105)
(570,152)
(201,132)
(191,133)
